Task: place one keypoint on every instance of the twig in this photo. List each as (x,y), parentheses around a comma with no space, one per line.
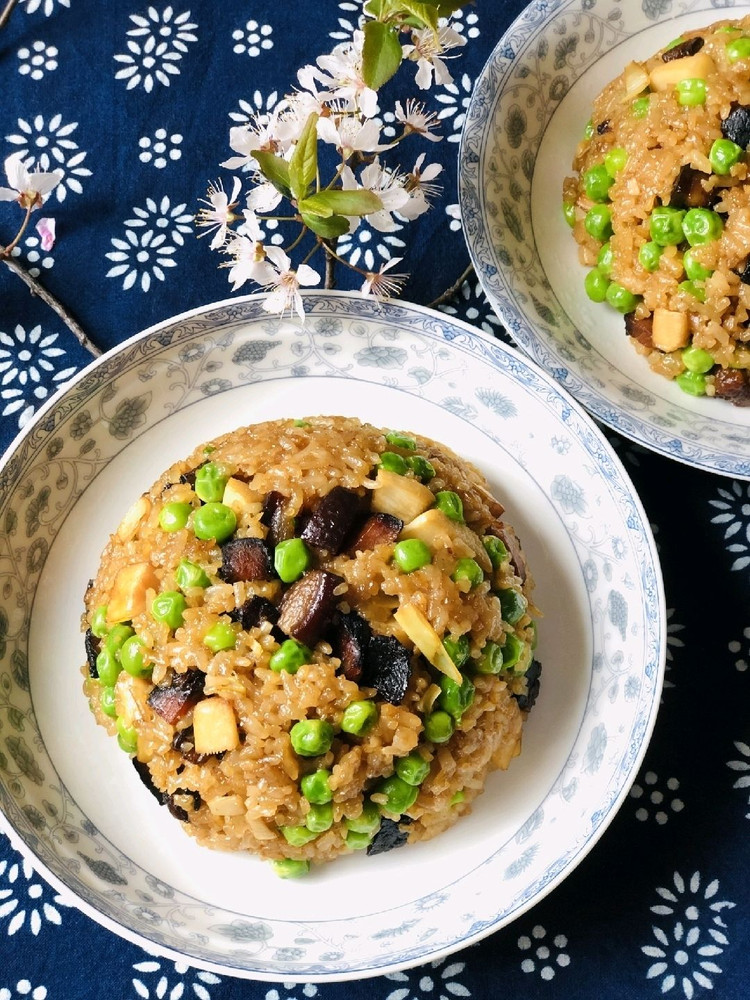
(53,303)
(7,11)
(454,289)
(330,278)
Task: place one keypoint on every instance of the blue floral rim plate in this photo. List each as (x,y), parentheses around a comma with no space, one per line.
(76,807)
(525,117)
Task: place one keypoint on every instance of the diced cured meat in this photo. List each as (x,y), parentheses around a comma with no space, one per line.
(639,329)
(173,701)
(687,48)
(246,559)
(736,125)
(330,523)
(387,668)
(255,610)
(276,518)
(93,647)
(349,641)
(733,384)
(308,606)
(378,529)
(389,835)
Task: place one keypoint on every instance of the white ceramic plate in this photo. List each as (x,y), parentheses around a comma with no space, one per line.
(525,118)
(70,796)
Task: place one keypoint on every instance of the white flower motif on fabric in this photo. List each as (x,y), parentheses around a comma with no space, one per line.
(46,6)
(734,513)
(348,25)
(455,102)
(26,990)
(140,257)
(37,59)
(31,251)
(543,958)
(155,45)
(160,148)
(47,145)
(162,216)
(293,991)
(165,980)
(365,246)
(251,110)
(252,39)
(454,214)
(23,899)
(651,795)
(466,22)
(742,767)
(735,647)
(685,953)
(471,304)
(425,983)
(28,375)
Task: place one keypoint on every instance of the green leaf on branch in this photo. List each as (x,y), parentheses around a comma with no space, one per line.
(381,54)
(329,228)
(276,170)
(427,13)
(328,203)
(303,166)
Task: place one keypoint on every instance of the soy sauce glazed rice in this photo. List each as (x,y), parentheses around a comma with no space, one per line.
(660,208)
(314,637)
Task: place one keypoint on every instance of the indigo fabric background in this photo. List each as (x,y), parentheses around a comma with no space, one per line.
(133,101)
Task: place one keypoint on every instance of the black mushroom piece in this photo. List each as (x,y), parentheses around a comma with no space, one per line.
(508,537)
(173,701)
(688,190)
(603,127)
(640,330)
(350,638)
(276,517)
(246,559)
(254,611)
(687,48)
(332,520)
(389,835)
(533,682)
(188,479)
(184,742)
(744,274)
(733,384)
(387,668)
(308,605)
(176,802)
(93,647)
(378,529)
(736,125)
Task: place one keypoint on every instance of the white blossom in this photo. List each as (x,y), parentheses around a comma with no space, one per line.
(383,285)
(342,74)
(428,51)
(389,187)
(248,261)
(219,215)
(350,135)
(420,188)
(285,295)
(28,188)
(416,119)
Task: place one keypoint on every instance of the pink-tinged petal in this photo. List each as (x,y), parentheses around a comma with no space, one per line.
(46,229)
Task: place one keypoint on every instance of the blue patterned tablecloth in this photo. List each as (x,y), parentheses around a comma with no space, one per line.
(133,101)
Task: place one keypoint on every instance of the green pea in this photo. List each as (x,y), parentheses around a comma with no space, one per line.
(569,212)
(615,160)
(107,701)
(458,797)
(588,130)
(727,29)
(723,155)
(469,570)
(412,769)
(495,549)
(99,622)
(220,636)
(289,657)
(358,841)
(399,440)
(605,259)
(301,423)
(738,49)
(290,559)
(210,481)
(189,574)
(514,605)
(598,222)
(169,607)
(311,737)
(290,867)
(117,636)
(214,521)
(174,516)
(693,383)
(359,717)
(490,659)
(368,820)
(693,267)
(621,299)
(665,225)
(127,737)
(511,651)
(320,818)
(398,795)
(297,836)
(701,225)
(391,461)
(534,635)
(455,698)
(695,359)
(649,256)
(693,288)
(411,554)
(691,92)
(132,657)
(451,505)
(595,284)
(422,469)
(438,727)
(597,182)
(107,667)
(316,788)
(640,106)
(458,649)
